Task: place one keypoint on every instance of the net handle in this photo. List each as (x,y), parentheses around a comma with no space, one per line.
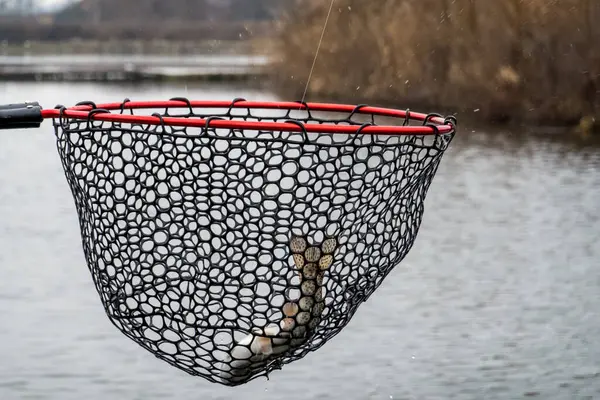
(21,115)
(31,115)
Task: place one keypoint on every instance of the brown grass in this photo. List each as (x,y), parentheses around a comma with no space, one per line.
(526,60)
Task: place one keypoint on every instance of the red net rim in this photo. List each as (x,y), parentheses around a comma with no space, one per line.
(432,124)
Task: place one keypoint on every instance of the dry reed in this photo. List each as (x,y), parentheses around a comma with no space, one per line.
(525,60)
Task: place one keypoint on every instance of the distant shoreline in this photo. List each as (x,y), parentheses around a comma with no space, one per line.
(19,31)
(132,46)
(77,67)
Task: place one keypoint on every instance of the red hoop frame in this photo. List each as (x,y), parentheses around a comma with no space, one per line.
(82,112)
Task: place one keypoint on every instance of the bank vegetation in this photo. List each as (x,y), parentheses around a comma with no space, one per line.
(536,61)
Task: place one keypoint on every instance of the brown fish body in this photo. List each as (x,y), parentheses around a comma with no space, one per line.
(301,314)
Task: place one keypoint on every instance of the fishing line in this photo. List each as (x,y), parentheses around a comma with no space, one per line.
(318,48)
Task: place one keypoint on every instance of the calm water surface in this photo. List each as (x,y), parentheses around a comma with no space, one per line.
(204,59)
(498,299)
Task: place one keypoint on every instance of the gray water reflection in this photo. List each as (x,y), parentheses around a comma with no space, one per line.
(498,299)
(190,60)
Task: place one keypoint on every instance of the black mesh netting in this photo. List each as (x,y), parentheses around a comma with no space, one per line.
(230,253)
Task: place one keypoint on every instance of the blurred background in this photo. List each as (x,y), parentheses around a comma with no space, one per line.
(499,297)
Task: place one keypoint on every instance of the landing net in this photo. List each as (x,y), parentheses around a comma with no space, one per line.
(230,239)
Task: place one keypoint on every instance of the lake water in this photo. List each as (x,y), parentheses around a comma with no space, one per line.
(193,60)
(498,299)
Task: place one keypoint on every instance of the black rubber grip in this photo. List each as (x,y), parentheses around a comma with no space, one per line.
(21,115)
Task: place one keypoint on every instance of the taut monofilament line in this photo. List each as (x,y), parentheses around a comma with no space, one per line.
(312,68)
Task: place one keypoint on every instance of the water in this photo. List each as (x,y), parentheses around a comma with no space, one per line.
(498,298)
(193,60)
